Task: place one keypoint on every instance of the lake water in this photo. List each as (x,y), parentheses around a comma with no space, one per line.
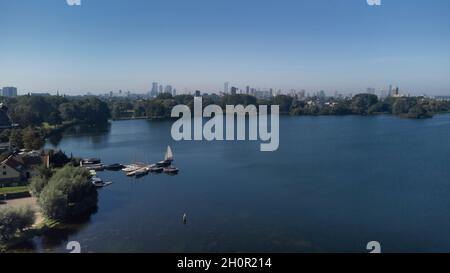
(335,184)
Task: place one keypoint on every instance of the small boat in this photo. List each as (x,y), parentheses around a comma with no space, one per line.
(88,161)
(98,182)
(114,167)
(95,167)
(133,167)
(171,170)
(132,173)
(141,172)
(156,169)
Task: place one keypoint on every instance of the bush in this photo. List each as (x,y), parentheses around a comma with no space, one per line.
(68,194)
(37,185)
(14,219)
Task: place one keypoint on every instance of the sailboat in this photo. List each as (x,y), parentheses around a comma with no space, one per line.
(168,158)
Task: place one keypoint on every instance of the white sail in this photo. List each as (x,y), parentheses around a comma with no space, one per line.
(169,154)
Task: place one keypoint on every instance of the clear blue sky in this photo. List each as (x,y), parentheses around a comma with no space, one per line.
(343,45)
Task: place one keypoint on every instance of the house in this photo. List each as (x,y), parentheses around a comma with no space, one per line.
(18,168)
(11,172)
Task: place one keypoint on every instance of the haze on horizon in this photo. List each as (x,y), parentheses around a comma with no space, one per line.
(331,45)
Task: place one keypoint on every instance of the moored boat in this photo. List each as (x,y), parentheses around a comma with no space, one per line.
(141,172)
(95,167)
(156,169)
(171,170)
(133,167)
(88,161)
(98,182)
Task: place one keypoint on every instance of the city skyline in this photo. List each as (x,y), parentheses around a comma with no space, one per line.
(111,45)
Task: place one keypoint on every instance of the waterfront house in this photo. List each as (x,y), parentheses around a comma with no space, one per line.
(16,169)
(11,172)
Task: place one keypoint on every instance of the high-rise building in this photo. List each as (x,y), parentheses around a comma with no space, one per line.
(247,90)
(198,93)
(234,90)
(174,92)
(9,92)
(161,88)
(226,87)
(154,91)
(168,89)
(396,92)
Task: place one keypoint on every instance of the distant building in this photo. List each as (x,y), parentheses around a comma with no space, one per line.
(226,88)
(396,92)
(168,89)
(9,92)
(161,89)
(247,90)
(154,91)
(234,90)
(174,92)
(198,93)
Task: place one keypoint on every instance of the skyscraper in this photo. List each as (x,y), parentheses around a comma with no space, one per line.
(247,90)
(168,89)
(154,91)
(234,90)
(226,87)
(161,88)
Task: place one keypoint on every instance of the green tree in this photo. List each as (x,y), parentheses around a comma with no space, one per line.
(68,194)
(15,138)
(362,102)
(32,139)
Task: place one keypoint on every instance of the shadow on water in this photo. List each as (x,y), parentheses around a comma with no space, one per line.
(96,132)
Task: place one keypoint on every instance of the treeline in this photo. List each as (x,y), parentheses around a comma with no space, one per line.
(38,116)
(55,110)
(361,104)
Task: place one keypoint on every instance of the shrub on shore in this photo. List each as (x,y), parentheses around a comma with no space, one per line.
(67,194)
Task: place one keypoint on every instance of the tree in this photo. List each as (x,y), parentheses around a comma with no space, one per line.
(418,112)
(68,194)
(285,103)
(362,102)
(14,219)
(32,139)
(15,138)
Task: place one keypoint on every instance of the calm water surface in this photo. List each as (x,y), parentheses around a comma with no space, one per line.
(335,184)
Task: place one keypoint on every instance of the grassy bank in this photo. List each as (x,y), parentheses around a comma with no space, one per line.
(14,190)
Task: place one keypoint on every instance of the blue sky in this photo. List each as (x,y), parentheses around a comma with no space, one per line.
(342,45)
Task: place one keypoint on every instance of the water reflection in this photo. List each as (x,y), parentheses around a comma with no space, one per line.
(97,133)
